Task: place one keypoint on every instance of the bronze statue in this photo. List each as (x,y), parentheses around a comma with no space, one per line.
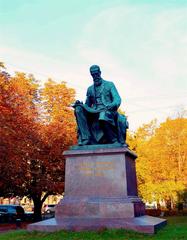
(98,121)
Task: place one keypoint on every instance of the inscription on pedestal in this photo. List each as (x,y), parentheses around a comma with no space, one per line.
(100,175)
(97,169)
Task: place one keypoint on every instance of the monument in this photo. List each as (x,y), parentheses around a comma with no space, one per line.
(100,177)
(98,121)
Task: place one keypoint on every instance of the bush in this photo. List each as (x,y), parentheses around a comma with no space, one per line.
(153,212)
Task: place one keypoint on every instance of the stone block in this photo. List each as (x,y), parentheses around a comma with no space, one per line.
(100,191)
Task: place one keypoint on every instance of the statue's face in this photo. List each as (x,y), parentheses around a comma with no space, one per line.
(96,75)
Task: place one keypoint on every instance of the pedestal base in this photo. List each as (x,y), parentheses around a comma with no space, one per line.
(97,207)
(144,224)
(100,192)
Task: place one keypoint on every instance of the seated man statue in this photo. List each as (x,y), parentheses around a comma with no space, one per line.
(98,121)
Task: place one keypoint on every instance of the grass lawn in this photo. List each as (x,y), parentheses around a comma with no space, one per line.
(175,229)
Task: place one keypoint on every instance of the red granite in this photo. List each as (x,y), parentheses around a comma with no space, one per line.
(143,224)
(100,191)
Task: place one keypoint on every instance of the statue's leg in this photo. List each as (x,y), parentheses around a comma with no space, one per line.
(95,128)
(122,124)
(83,129)
(110,132)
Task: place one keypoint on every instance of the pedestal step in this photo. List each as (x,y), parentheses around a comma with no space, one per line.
(99,208)
(145,224)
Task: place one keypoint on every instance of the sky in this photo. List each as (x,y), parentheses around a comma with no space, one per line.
(140,45)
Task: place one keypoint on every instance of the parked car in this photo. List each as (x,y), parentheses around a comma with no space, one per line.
(11,213)
(29,216)
(49,208)
(3,217)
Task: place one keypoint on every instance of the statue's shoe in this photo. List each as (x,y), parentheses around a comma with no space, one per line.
(84,142)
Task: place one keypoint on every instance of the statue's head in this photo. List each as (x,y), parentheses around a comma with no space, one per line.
(96,74)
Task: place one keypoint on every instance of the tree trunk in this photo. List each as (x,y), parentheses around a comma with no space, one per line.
(38,202)
(172,204)
(37,208)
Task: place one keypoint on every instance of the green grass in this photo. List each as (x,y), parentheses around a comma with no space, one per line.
(175,229)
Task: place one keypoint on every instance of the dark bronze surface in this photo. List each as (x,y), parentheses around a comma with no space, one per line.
(98,121)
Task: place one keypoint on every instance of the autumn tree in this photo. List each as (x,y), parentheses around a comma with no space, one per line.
(57,132)
(16,125)
(161,163)
(169,157)
(139,142)
(2,65)
(36,126)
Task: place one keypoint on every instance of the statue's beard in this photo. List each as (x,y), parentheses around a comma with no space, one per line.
(97,81)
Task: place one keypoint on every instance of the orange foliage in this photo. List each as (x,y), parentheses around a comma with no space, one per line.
(36,126)
(162,159)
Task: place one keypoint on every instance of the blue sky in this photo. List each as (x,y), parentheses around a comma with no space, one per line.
(141,45)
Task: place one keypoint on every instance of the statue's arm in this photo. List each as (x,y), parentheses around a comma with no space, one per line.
(88,101)
(116,99)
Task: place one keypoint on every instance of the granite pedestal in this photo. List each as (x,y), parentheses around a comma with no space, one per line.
(100,192)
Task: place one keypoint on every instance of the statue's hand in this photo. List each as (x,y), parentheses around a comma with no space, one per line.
(76,103)
(111,106)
